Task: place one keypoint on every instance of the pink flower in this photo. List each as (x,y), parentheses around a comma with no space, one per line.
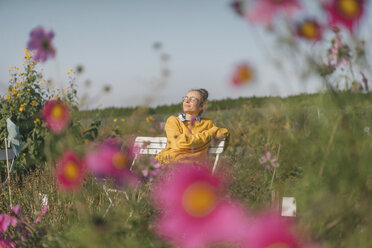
(56,115)
(309,29)
(243,74)
(70,171)
(42,213)
(16,209)
(4,244)
(271,230)
(6,221)
(153,170)
(268,161)
(108,160)
(264,11)
(339,52)
(194,214)
(41,41)
(345,12)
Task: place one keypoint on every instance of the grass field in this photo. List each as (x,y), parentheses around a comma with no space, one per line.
(322,141)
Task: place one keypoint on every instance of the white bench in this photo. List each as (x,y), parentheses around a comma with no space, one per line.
(154,145)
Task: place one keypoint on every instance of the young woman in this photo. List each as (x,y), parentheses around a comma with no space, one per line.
(189,135)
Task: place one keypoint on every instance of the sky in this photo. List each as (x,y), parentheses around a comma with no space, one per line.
(113,41)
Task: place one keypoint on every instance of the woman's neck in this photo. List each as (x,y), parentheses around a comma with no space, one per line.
(188,117)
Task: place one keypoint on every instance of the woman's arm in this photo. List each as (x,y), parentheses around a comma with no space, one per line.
(178,140)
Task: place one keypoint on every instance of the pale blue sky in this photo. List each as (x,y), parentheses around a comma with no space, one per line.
(113,41)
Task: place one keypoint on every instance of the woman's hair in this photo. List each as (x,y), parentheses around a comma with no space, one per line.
(204,97)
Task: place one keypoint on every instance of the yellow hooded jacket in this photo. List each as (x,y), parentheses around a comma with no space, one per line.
(189,142)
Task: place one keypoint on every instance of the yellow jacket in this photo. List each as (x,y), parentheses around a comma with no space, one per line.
(188,143)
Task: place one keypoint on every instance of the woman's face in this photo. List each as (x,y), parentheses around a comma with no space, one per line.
(191,103)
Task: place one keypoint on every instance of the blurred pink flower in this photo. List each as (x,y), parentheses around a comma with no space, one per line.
(16,209)
(153,170)
(264,11)
(56,115)
(193,212)
(4,244)
(339,52)
(345,12)
(309,29)
(70,171)
(243,74)
(271,230)
(42,213)
(108,160)
(268,161)
(41,41)
(6,221)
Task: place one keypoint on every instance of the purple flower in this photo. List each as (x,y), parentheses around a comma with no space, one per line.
(41,41)
(153,170)
(268,161)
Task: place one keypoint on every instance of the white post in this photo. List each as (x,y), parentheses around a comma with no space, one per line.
(7,167)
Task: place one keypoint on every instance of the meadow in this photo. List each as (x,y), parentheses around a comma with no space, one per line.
(323,145)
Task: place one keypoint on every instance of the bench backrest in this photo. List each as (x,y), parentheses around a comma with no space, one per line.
(154,145)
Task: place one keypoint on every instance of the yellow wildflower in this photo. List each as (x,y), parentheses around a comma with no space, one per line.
(11,108)
(21,73)
(21,109)
(122,119)
(28,90)
(57,96)
(17,82)
(78,121)
(42,82)
(32,66)
(115,120)
(11,79)
(21,82)
(37,120)
(14,91)
(7,92)
(69,71)
(17,68)
(18,94)
(8,97)
(24,154)
(54,85)
(64,89)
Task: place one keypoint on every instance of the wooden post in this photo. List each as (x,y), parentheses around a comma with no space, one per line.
(7,167)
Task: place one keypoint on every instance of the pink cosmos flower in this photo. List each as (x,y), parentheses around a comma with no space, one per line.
(264,11)
(56,115)
(268,161)
(6,221)
(243,74)
(309,29)
(109,160)
(345,12)
(271,230)
(41,41)
(194,214)
(70,171)
(16,209)
(4,244)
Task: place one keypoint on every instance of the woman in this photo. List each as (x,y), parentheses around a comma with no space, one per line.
(189,135)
